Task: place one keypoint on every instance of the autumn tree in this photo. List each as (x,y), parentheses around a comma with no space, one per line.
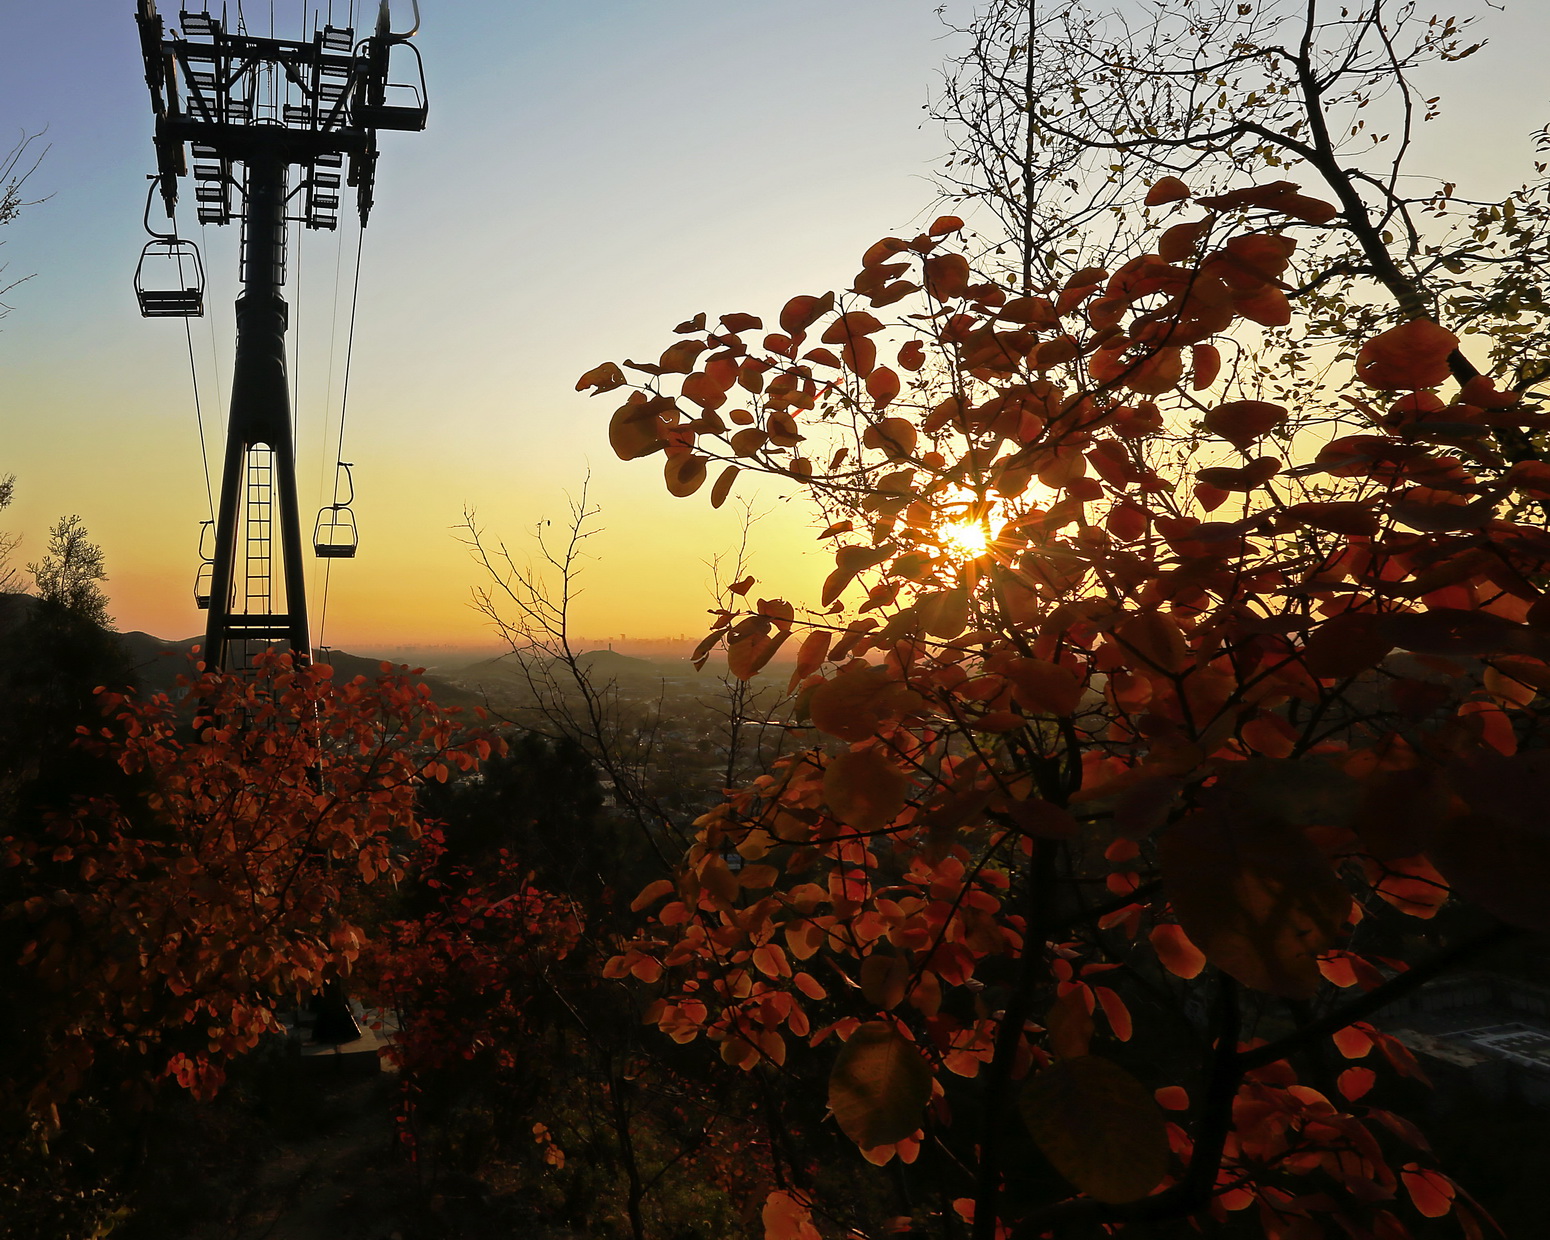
(1176,679)
(165,926)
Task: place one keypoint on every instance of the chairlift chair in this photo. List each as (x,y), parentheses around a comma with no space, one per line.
(170,280)
(334,536)
(204,580)
(204,583)
(389,104)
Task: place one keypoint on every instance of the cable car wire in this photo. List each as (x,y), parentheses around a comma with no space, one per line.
(199,415)
(344,409)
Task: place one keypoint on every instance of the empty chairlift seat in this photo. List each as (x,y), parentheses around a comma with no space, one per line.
(395,97)
(170,280)
(204,580)
(334,536)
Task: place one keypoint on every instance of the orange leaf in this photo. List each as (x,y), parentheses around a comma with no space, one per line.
(947,276)
(651,894)
(1431,1191)
(1205,365)
(1335,516)
(883,978)
(1042,687)
(803,311)
(1166,190)
(882,386)
(849,326)
(1069,1026)
(1172,1098)
(1241,422)
(881,251)
(1354,1083)
(786,1217)
(1411,356)
(864,790)
(603,378)
(1177,954)
(752,644)
(856,703)
(1255,474)
(1114,1008)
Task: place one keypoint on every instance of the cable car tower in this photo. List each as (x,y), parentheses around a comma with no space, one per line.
(273,126)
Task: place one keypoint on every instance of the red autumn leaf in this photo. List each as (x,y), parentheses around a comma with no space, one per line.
(1068,1026)
(1335,516)
(1410,356)
(1043,688)
(603,378)
(882,386)
(679,358)
(1241,422)
(786,1216)
(850,325)
(1177,954)
(895,436)
(685,474)
(704,391)
(883,980)
(879,1086)
(1165,190)
(1356,1083)
(1431,1191)
(1255,474)
(1098,1126)
(855,704)
(1256,895)
(881,251)
(723,487)
(752,643)
(803,311)
(1348,644)
(864,790)
(1205,365)
(947,276)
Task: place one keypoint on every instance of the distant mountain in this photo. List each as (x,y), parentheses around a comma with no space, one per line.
(158,662)
(504,675)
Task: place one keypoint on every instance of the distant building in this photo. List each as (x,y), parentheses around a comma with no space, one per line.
(1479,1034)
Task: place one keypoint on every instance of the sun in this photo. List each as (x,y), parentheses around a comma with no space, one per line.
(967,540)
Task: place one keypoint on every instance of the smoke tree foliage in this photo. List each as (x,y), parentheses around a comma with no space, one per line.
(1175,684)
(167,925)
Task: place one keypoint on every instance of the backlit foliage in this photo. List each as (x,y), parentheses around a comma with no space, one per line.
(1235,697)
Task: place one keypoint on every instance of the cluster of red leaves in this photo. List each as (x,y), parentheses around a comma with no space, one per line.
(1200,715)
(466,977)
(173,927)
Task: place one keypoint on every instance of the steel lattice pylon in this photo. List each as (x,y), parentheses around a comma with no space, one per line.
(273,127)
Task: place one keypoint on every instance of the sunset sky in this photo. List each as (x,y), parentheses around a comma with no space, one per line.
(594,172)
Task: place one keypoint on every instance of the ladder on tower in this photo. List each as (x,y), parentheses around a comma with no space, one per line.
(258,537)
